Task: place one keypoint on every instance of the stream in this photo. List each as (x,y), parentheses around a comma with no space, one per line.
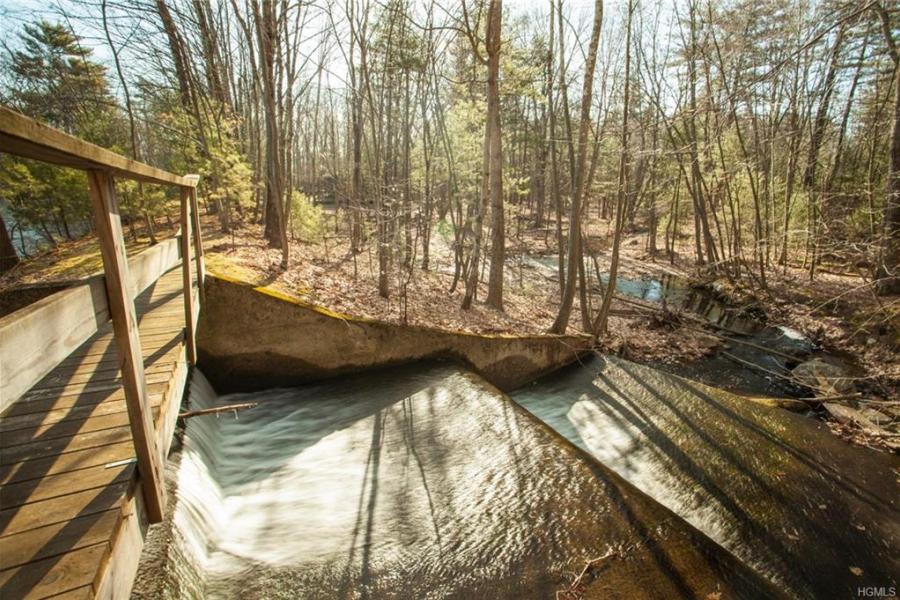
(776,489)
(736,325)
(424,481)
(414,482)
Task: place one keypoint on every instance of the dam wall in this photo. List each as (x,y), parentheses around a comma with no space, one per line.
(252,338)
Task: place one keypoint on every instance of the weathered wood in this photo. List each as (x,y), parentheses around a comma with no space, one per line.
(63,429)
(115,576)
(35,339)
(168,412)
(26,137)
(59,538)
(72,461)
(64,508)
(198,241)
(189,325)
(66,452)
(64,484)
(55,447)
(71,571)
(110,385)
(125,326)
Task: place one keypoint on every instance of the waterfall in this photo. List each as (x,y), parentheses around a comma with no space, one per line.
(199,508)
(414,482)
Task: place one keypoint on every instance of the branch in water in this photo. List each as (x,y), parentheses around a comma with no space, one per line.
(218,409)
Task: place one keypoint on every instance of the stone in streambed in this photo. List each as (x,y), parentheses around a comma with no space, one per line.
(824,378)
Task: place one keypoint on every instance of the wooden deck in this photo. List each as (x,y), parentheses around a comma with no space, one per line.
(71,516)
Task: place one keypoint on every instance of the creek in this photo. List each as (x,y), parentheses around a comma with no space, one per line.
(413,482)
(729,365)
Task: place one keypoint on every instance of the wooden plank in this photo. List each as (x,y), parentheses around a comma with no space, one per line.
(187,290)
(147,352)
(198,244)
(42,418)
(71,461)
(63,429)
(102,346)
(66,429)
(35,339)
(53,486)
(26,137)
(149,266)
(60,510)
(115,577)
(169,408)
(108,368)
(71,571)
(47,448)
(82,593)
(46,402)
(125,327)
(108,371)
(78,389)
(59,538)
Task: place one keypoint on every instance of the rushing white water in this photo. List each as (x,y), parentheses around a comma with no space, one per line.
(415,483)
(313,477)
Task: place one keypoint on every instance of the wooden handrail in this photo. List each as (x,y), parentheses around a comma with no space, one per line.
(28,138)
(128,341)
(22,136)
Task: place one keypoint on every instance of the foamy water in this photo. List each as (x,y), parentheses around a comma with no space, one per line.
(414,483)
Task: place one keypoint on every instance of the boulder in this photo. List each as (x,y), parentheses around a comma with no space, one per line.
(824,378)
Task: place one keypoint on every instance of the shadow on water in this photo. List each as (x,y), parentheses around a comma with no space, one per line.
(417,482)
(774,488)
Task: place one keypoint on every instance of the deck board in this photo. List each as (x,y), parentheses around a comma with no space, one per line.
(67,474)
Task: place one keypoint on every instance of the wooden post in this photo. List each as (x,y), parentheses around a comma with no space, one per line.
(128,343)
(198,238)
(189,324)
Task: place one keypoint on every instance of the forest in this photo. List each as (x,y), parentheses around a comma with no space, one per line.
(428,150)
(449,299)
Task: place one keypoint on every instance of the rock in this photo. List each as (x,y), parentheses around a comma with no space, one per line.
(791,404)
(824,378)
(847,415)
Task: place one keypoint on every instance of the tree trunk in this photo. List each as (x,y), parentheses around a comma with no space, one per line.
(8,256)
(498,233)
(575,258)
(888,270)
(603,315)
(267,37)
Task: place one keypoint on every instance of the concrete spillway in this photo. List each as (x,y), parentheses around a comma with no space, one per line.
(794,502)
(416,482)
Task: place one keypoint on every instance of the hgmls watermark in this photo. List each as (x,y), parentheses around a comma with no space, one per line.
(874,591)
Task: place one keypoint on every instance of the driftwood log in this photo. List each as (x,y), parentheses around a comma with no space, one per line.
(216,410)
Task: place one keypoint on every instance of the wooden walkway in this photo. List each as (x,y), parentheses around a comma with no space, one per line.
(71,516)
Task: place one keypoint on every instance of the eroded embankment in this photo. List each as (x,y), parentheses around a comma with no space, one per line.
(253,338)
(417,482)
(775,488)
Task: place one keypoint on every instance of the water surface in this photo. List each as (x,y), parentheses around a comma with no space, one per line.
(776,489)
(421,482)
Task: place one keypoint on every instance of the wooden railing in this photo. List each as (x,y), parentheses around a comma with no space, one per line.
(27,138)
